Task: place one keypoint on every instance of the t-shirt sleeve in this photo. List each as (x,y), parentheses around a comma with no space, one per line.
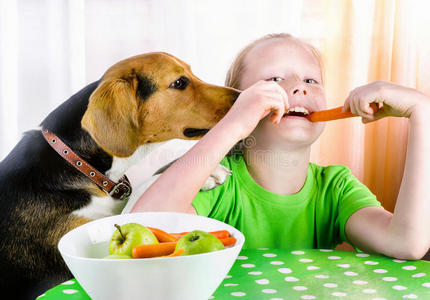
(215,203)
(352,196)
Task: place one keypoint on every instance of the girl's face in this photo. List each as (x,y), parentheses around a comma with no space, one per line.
(297,71)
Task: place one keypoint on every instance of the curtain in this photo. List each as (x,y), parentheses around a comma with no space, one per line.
(50,49)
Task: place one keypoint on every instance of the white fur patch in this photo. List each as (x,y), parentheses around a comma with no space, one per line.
(100,207)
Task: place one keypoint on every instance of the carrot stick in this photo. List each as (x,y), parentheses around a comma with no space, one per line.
(177,252)
(228,241)
(162,236)
(335,114)
(221,234)
(153,250)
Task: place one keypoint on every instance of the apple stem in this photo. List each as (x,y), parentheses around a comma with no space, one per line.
(120,232)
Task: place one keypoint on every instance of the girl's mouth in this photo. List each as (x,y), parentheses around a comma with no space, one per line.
(297,111)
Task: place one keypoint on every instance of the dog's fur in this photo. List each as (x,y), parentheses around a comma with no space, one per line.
(139,101)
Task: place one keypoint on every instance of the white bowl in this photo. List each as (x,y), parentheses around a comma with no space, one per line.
(184,277)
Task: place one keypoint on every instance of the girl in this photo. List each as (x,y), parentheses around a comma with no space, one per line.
(275,196)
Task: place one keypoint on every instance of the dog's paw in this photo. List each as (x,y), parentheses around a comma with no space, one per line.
(218,176)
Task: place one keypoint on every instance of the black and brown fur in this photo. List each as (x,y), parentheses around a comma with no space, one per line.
(144,99)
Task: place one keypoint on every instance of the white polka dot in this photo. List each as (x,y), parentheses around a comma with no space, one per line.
(330,285)
(306,260)
(269,255)
(389,278)
(242,257)
(321,276)
(276,263)
(290,278)
(227,277)
(262,281)
(311,268)
(419,275)
(409,268)
(263,248)
(299,288)
(69,292)
(369,262)
(248,266)
(334,257)
(307,297)
(326,250)
(399,260)
(359,282)
(380,271)
(350,273)
(343,265)
(284,270)
(426,284)
(410,296)
(231,284)
(276,298)
(238,294)
(69,282)
(399,287)
(255,273)
(298,252)
(211,297)
(338,294)
(369,291)
(362,255)
(269,291)
(40,296)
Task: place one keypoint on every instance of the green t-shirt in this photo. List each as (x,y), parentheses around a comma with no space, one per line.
(315,217)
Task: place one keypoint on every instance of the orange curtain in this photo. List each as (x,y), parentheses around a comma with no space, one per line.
(367,41)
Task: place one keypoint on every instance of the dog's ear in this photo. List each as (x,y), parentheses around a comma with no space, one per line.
(111,118)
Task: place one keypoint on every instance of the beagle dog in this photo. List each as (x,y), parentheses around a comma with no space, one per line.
(110,124)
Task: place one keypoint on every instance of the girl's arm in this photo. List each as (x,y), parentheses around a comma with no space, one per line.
(406,233)
(176,188)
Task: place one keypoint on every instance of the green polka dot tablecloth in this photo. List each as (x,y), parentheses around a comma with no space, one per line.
(307,274)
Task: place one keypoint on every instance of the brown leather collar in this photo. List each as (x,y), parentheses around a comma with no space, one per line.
(120,190)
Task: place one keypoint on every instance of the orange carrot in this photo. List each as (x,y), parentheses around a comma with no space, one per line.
(162,236)
(228,241)
(221,234)
(177,252)
(153,250)
(335,114)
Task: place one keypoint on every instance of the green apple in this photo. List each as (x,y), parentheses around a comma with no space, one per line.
(198,241)
(129,235)
(117,256)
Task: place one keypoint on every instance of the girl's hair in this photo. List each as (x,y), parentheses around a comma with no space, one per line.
(235,72)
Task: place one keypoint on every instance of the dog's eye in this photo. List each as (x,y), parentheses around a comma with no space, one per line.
(180,83)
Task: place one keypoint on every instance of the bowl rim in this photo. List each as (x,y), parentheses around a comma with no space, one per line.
(240,240)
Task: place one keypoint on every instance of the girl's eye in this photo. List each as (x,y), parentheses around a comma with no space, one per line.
(311,81)
(276,79)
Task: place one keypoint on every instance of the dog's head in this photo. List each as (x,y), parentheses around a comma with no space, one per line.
(151,98)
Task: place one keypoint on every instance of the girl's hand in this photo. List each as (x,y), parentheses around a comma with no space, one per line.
(397,101)
(255,103)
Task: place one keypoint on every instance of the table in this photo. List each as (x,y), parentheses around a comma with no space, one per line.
(307,274)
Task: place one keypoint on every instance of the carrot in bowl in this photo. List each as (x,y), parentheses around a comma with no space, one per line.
(153,250)
(162,236)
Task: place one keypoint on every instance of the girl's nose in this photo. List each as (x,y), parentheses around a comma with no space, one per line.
(300,91)
(294,85)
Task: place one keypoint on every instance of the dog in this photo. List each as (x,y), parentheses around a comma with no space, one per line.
(110,124)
